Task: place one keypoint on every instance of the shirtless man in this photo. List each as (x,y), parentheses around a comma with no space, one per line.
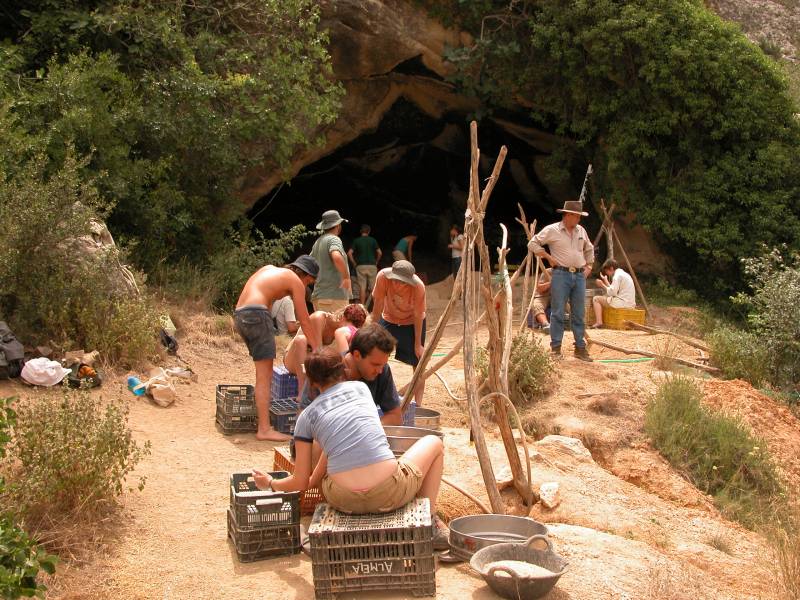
(337,328)
(254,322)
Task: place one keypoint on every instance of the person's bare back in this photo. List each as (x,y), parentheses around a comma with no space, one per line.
(266,285)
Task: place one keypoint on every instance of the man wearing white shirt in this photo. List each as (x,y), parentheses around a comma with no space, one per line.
(619,291)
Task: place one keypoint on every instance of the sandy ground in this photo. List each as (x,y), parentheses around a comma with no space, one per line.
(628,524)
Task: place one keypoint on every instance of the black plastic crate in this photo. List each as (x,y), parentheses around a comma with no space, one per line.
(262,508)
(258,543)
(236,399)
(357,553)
(229,424)
(283,414)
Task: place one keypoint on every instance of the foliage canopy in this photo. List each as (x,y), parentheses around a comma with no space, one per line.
(687,123)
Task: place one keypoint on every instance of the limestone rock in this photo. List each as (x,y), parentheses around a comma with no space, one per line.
(566,447)
(550,494)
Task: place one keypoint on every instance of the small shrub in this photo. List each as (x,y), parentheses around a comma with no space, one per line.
(740,355)
(20,558)
(667,348)
(530,369)
(720,542)
(604,405)
(71,453)
(786,542)
(719,454)
(538,428)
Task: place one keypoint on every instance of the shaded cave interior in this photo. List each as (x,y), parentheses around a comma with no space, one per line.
(410,175)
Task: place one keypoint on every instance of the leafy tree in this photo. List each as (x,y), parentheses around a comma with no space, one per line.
(687,123)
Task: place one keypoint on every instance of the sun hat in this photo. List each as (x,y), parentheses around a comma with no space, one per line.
(330,218)
(573,206)
(307,264)
(404,271)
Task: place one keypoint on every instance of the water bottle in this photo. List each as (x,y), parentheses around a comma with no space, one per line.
(133,381)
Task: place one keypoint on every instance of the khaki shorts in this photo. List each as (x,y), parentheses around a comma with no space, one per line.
(329,305)
(540,305)
(366,275)
(612,302)
(392,493)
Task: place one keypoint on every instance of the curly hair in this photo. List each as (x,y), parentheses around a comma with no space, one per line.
(356,314)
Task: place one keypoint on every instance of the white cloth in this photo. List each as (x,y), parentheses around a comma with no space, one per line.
(43,371)
(621,290)
(283,312)
(455,252)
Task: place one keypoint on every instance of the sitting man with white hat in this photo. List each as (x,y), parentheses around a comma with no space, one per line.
(333,290)
(571,255)
(399,308)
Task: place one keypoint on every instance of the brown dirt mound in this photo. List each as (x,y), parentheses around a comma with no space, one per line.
(768,419)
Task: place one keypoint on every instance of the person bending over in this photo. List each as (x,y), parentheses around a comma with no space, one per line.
(357,471)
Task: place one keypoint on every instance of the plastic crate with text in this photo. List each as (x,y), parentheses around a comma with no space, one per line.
(235,399)
(359,553)
(284,384)
(230,424)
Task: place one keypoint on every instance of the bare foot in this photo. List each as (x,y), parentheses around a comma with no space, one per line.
(270,435)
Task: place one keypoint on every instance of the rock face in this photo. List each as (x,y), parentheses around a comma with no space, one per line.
(771,22)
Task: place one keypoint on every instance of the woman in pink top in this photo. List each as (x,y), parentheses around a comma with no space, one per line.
(399,308)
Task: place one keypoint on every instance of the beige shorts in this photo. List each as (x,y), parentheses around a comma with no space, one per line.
(329,305)
(366,275)
(392,493)
(612,302)
(540,305)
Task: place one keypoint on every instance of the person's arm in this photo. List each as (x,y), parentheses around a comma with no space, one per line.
(613,289)
(319,471)
(350,256)
(537,244)
(297,481)
(378,254)
(588,254)
(340,340)
(387,398)
(341,266)
(410,246)
(313,336)
(378,297)
(393,417)
(458,244)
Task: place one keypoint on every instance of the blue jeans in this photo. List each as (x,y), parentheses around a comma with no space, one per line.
(565,287)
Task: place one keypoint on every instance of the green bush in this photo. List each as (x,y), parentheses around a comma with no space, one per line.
(530,369)
(20,558)
(718,453)
(740,355)
(70,453)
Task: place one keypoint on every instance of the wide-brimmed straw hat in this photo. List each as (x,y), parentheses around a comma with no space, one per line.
(404,271)
(330,218)
(573,206)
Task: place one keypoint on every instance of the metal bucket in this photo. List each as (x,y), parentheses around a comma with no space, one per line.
(517,585)
(470,534)
(402,438)
(427,418)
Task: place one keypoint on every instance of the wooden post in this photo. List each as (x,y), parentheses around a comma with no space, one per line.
(682,361)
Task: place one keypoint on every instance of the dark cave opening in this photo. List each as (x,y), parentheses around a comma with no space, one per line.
(411,176)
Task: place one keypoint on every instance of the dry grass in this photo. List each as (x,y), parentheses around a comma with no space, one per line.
(667,582)
(538,428)
(719,541)
(604,404)
(786,544)
(667,347)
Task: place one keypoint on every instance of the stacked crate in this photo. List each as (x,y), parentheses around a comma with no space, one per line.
(236,408)
(262,523)
(308,499)
(283,403)
(354,553)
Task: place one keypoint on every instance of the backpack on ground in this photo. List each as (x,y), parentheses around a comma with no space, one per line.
(12,353)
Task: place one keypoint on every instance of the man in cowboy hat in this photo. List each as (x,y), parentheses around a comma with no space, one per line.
(253,321)
(399,308)
(571,255)
(333,288)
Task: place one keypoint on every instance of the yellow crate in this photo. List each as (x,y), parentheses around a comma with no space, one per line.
(614,318)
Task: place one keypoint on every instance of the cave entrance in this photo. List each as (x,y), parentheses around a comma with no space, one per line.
(411,176)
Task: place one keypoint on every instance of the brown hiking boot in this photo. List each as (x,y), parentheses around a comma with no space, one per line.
(555,351)
(582,354)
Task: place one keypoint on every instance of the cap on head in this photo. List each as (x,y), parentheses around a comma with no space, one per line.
(404,271)
(307,264)
(573,206)
(330,219)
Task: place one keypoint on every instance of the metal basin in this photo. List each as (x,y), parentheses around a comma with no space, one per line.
(427,418)
(470,534)
(402,438)
(508,582)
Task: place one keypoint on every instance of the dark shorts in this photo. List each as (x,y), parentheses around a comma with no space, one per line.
(254,323)
(404,334)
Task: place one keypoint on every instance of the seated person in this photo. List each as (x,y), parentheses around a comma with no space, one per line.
(357,471)
(541,301)
(337,328)
(368,362)
(619,291)
(283,313)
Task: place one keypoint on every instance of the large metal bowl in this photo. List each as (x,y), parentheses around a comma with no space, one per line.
(470,534)
(427,418)
(402,438)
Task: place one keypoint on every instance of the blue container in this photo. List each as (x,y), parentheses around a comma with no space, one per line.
(133,381)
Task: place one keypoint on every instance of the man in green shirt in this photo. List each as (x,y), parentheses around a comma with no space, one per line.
(365,254)
(332,290)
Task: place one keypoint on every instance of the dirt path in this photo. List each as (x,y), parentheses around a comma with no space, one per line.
(654,539)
